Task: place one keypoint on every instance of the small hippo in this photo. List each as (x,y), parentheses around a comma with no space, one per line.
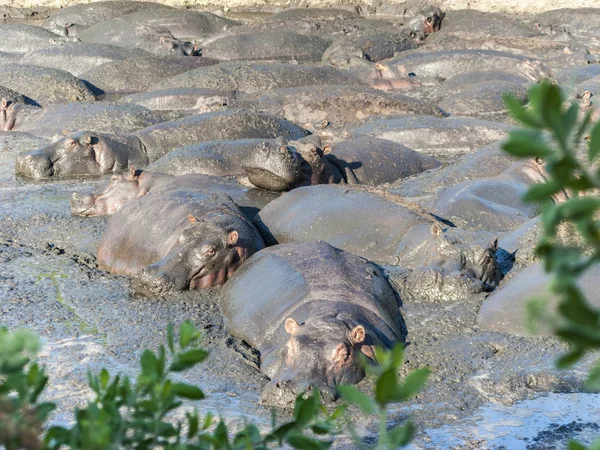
(386,78)
(427,21)
(178,240)
(284,166)
(194,100)
(311,309)
(92,154)
(108,198)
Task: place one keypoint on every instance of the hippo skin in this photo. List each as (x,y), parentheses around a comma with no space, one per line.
(314,311)
(282,166)
(90,153)
(21,38)
(191,240)
(109,197)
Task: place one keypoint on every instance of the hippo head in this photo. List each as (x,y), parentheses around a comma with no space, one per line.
(273,166)
(426,22)
(316,166)
(83,153)
(178,47)
(322,354)
(110,197)
(206,254)
(7,114)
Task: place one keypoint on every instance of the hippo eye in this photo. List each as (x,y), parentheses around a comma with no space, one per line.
(539,160)
(209,250)
(429,19)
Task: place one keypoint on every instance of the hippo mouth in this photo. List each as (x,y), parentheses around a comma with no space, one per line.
(206,277)
(267,179)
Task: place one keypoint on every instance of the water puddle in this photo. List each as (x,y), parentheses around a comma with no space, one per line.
(545,422)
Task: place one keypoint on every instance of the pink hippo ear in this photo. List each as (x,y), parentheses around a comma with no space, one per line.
(291,326)
(357,335)
(327,149)
(192,219)
(132,173)
(4,104)
(436,229)
(233,238)
(87,139)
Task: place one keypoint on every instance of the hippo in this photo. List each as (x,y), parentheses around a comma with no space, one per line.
(85,15)
(21,38)
(426,21)
(155,39)
(446,64)
(579,22)
(44,85)
(178,240)
(473,24)
(387,78)
(196,100)
(267,45)
(311,317)
(335,106)
(258,77)
(78,58)
(56,120)
(504,310)
(484,98)
(495,203)
(137,75)
(109,197)
(432,135)
(360,48)
(283,166)
(92,154)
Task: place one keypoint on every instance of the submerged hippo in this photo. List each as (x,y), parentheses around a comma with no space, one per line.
(111,196)
(182,239)
(282,166)
(311,309)
(92,154)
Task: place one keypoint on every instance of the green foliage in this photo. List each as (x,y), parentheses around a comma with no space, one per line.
(569,145)
(123,414)
(387,390)
(21,382)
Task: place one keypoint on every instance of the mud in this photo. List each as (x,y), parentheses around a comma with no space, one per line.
(488,389)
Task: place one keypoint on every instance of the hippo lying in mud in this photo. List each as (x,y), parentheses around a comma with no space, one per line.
(93,154)
(280,166)
(108,198)
(182,239)
(314,310)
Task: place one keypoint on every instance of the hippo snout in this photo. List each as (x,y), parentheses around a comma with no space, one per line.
(34,165)
(159,279)
(284,392)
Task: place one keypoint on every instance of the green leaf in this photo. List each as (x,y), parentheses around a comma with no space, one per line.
(386,387)
(186,360)
(302,442)
(193,423)
(352,395)
(519,112)
(573,445)
(593,380)
(542,192)
(187,391)
(104,378)
(413,383)
(149,364)
(527,144)
(187,333)
(402,435)
(170,339)
(594,144)
(308,408)
(568,359)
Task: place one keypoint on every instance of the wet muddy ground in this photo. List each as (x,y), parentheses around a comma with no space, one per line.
(487,390)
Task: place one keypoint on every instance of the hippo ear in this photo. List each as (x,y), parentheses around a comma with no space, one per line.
(291,326)
(327,149)
(436,229)
(192,219)
(232,238)
(87,139)
(493,245)
(357,335)
(132,172)
(4,103)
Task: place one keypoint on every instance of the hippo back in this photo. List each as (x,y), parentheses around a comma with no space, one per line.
(307,280)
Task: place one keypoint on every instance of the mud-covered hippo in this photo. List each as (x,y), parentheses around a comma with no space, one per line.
(181,239)
(109,197)
(473,24)
(56,120)
(195,100)
(426,21)
(387,78)
(484,98)
(21,38)
(495,203)
(92,154)
(267,45)
(282,166)
(259,77)
(44,85)
(77,58)
(138,74)
(311,309)
(334,106)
